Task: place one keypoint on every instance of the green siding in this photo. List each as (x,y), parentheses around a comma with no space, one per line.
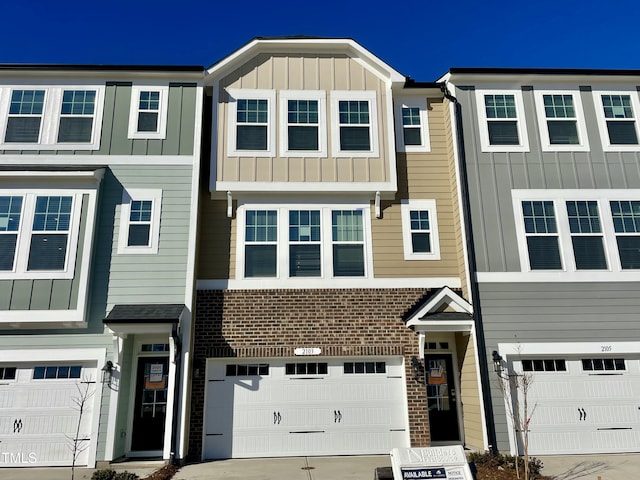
(61,294)
(6,289)
(21,294)
(41,295)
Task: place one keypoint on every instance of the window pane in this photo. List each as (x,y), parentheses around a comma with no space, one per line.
(420,242)
(589,253)
(304,260)
(544,253)
(75,129)
(564,132)
(7,251)
(503,133)
(622,133)
(22,130)
(347,226)
(412,136)
(260,261)
(48,252)
(251,137)
(348,260)
(139,235)
(303,138)
(147,122)
(354,138)
(629,250)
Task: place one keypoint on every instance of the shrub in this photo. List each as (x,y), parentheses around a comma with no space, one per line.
(104,474)
(125,476)
(504,460)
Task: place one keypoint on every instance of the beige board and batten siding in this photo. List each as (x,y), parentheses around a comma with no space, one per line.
(469,392)
(421,176)
(48,294)
(115,123)
(303,72)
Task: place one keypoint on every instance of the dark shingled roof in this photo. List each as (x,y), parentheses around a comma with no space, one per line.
(149,313)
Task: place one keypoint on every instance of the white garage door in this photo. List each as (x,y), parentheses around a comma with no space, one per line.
(39,415)
(583,405)
(299,407)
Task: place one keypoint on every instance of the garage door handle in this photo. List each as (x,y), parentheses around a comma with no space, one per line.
(337,416)
(17,425)
(276,418)
(583,414)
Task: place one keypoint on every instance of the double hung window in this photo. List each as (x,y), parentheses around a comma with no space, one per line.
(33,118)
(140,221)
(561,120)
(251,122)
(302,242)
(617,118)
(626,224)
(38,233)
(354,129)
(420,230)
(148,112)
(586,235)
(303,131)
(541,230)
(412,132)
(502,123)
(25,116)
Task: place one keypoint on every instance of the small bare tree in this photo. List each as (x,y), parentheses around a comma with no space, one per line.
(79,442)
(515,388)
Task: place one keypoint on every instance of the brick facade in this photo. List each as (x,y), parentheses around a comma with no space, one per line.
(271,323)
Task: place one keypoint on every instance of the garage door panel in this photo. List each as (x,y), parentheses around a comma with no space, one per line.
(579,409)
(304,414)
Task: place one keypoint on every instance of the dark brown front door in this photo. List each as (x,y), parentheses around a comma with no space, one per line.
(151,404)
(441,397)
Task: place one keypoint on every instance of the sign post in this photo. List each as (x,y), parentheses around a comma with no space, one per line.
(448,463)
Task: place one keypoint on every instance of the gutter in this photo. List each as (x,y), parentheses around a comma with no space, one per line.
(473,283)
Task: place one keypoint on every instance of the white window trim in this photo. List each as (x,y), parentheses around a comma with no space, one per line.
(602,121)
(326,243)
(559,198)
(23,244)
(236,94)
(405,209)
(51,115)
(128,195)
(583,145)
(345,95)
(421,103)
(520,121)
(161,132)
(321,97)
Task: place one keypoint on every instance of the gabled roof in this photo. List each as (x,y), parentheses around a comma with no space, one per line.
(443,306)
(304,44)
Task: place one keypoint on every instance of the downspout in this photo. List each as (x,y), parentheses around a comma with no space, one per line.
(473,287)
(176,393)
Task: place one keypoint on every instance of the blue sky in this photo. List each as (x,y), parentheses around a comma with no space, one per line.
(421,39)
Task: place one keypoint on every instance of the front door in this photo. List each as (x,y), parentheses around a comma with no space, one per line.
(441,397)
(151,404)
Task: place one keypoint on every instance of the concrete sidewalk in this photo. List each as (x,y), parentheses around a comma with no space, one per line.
(561,467)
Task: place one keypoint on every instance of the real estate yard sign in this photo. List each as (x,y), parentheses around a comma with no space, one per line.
(448,463)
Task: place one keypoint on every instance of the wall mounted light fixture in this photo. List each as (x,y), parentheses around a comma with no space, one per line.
(418,369)
(107,372)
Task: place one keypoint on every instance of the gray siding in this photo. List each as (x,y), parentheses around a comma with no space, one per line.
(554,312)
(143,278)
(492,176)
(180,125)
(47,294)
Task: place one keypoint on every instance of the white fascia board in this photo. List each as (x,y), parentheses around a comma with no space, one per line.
(568,348)
(293,45)
(442,326)
(387,189)
(44,318)
(140,328)
(94,160)
(582,276)
(296,283)
(53,354)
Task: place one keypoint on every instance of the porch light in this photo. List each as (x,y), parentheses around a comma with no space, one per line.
(416,365)
(497,362)
(107,372)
